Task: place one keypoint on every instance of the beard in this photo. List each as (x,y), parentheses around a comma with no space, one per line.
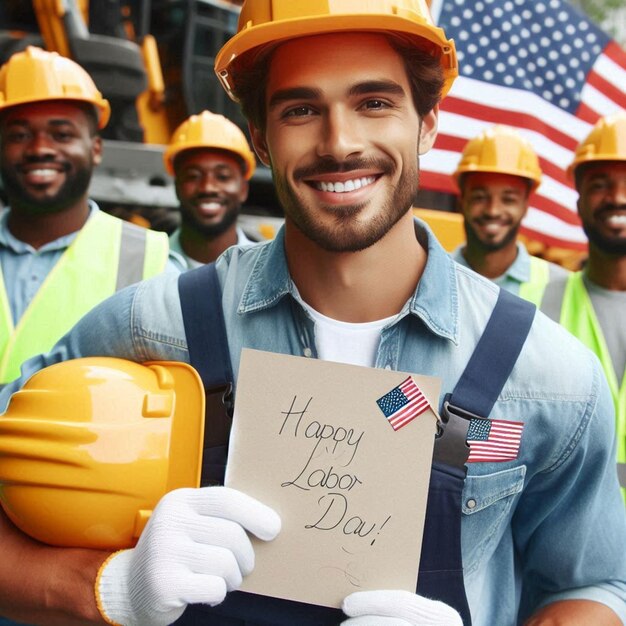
(209,231)
(71,191)
(347,233)
(614,246)
(474,241)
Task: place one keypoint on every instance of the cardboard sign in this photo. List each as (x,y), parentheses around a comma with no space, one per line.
(343,454)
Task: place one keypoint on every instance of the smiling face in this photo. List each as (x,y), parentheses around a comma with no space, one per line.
(602,205)
(48,151)
(493,206)
(211,187)
(342,138)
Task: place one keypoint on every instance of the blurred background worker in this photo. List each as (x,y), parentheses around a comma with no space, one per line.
(497,173)
(591,303)
(59,254)
(211,162)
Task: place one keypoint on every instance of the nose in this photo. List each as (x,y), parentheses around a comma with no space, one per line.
(341,135)
(618,191)
(493,206)
(40,145)
(208,183)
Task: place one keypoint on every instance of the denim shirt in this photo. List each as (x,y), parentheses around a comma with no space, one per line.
(548,526)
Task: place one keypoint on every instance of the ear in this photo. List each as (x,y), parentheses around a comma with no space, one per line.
(259,144)
(428,130)
(96,150)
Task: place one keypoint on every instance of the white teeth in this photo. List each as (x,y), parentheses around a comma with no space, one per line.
(617,220)
(348,185)
(46,172)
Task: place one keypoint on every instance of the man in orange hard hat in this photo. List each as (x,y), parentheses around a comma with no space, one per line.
(496,174)
(59,254)
(342,99)
(212,163)
(591,303)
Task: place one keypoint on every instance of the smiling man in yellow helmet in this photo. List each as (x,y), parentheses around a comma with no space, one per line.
(342,100)
(212,163)
(496,174)
(591,303)
(59,254)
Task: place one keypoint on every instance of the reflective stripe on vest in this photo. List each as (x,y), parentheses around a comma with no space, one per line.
(106,255)
(533,289)
(568,302)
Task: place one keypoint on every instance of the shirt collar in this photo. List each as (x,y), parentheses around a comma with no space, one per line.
(435,300)
(519,270)
(8,240)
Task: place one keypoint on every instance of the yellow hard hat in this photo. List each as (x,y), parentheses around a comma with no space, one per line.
(605,142)
(209,130)
(500,150)
(89,446)
(263,22)
(36,75)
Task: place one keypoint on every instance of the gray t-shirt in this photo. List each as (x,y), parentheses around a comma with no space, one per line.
(610,308)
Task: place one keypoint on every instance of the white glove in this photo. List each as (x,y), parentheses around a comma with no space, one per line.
(193,550)
(397,608)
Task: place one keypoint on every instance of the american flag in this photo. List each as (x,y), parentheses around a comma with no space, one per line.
(539,66)
(493,440)
(403,403)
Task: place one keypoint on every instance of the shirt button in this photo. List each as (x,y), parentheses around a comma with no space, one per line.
(471,503)
(307,352)
(387,367)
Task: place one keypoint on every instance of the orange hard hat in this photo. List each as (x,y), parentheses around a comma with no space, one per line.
(605,142)
(210,130)
(266,22)
(89,446)
(36,75)
(500,150)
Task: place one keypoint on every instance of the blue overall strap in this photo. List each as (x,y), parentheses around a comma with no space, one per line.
(205,330)
(441,564)
(494,357)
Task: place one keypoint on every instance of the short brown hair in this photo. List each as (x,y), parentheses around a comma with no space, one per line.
(423,70)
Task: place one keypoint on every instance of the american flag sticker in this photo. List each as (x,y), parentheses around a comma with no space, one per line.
(403,403)
(493,440)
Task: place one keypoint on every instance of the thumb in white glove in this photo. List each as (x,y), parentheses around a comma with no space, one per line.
(194,549)
(397,608)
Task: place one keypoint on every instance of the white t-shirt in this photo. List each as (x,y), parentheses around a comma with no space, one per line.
(346,342)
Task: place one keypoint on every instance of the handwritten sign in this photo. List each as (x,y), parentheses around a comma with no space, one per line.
(311,440)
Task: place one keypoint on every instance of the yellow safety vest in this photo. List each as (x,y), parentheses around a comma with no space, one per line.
(533,289)
(106,255)
(577,316)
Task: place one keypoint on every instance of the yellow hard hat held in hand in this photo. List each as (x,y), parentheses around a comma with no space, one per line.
(89,446)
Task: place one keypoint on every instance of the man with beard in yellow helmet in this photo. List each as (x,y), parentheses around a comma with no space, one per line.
(212,163)
(591,303)
(59,254)
(496,174)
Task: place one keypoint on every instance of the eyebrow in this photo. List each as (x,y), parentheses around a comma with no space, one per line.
(294,93)
(376,86)
(359,89)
